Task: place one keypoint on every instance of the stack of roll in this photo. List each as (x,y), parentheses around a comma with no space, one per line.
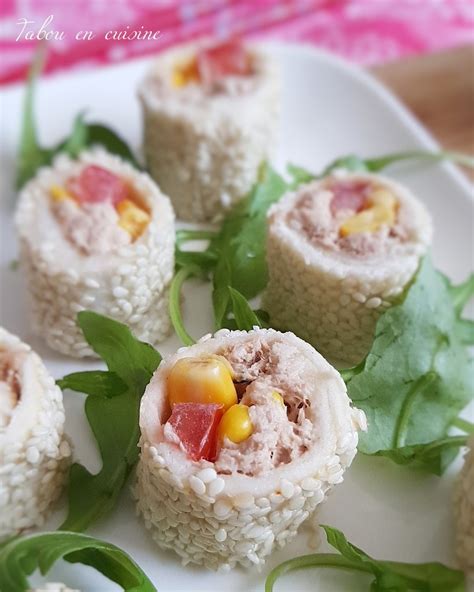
(340,251)
(34,452)
(96,234)
(255,494)
(210,120)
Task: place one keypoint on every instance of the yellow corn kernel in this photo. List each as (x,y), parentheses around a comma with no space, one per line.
(225,361)
(235,424)
(382,197)
(132,218)
(185,73)
(201,380)
(362,222)
(381,211)
(60,193)
(278,398)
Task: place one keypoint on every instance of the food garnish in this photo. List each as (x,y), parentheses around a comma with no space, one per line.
(21,556)
(388,576)
(113,417)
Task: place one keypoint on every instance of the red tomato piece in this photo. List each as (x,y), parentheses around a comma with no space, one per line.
(349,195)
(96,184)
(196,424)
(229,58)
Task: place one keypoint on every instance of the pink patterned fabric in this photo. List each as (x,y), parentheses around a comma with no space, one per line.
(365,31)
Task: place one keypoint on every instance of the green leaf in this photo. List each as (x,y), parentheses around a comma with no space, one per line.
(241,241)
(220,293)
(20,557)
(355,163)
(76,141)
(98,134)
(433,577)
(389,576)
(113,420)
(382,162)
(433,457)
(32,156)
(418,375)
(462,293)
(98,383)
(463,425)
(465,331)
(185,235)
(299,175)
(244,316)
(235,256)
(175,305)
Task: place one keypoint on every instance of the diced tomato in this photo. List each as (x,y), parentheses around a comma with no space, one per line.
(196,424)
(349,195)
(96,184)
(229,58)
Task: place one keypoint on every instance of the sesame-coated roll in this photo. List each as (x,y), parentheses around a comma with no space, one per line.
(210,119)
(340,251)
(96,234)
(34,453)
(464,512)
(242,436)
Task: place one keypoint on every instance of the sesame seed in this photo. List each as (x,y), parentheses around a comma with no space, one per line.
(197,485)
(207,475)
(215,487)
(221,535)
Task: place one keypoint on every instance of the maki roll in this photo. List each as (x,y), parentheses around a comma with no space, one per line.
(464,512)
(34,452)
(242,436)
(210,118)
(96,234)
(340,251)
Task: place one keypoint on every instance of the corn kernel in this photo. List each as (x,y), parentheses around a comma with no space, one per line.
(132,218)
(235,424)
(201,380)
(60,193)
(185,73)
(381,211)
(278,398)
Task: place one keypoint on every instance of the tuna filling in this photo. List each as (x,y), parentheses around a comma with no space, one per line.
(282,431)
(97,211)
(344,215)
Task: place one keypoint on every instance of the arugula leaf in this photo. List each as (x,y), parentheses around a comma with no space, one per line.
(417,376)
(245,317)
(433,457)
(175,305)
(98,134)
(32,155)
(235,256)
(94,382)
(113,420)
(353,162)
(240,243)
(389,576)
(21,556)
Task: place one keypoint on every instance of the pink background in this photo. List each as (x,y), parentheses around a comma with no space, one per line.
(365,31)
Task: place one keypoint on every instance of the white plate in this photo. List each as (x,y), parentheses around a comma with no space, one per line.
(329,109)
